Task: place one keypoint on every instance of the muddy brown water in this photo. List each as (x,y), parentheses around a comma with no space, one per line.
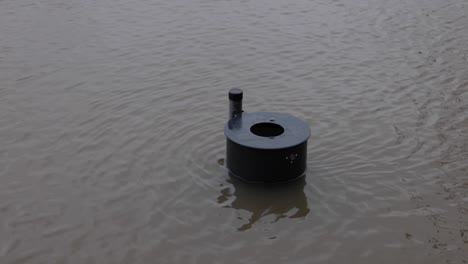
(112,145)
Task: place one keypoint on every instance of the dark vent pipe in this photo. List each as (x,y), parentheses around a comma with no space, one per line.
(235,102)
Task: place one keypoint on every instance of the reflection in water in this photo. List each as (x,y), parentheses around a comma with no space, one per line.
(286,200)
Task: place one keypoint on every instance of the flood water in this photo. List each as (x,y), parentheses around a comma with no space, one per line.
(112,145)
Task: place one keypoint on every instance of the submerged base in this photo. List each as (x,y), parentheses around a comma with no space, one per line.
(270,182)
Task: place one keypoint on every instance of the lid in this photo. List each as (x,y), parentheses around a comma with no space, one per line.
(267,130)
(235,94)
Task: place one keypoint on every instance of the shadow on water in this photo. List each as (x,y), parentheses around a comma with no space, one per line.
(286,200)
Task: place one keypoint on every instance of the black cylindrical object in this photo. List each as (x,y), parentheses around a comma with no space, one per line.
(266,146)
(235,102)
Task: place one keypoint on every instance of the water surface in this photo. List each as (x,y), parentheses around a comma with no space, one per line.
(112,145)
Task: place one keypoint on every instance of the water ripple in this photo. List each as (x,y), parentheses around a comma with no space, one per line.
(111,124)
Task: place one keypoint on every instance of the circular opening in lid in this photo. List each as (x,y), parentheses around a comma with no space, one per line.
(267,129)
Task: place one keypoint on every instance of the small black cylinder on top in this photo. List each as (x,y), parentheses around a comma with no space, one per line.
(235,102)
